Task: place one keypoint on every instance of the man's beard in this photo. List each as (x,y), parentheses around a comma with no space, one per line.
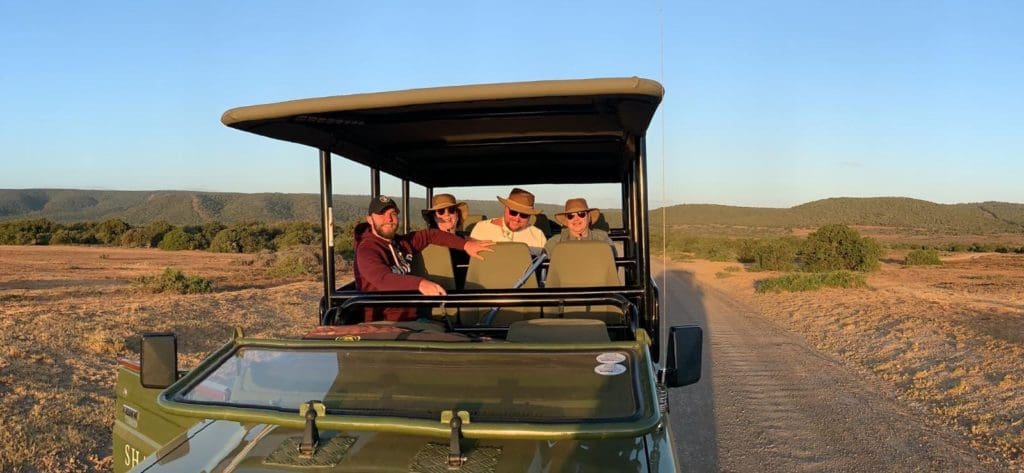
(508,224)
(379,230)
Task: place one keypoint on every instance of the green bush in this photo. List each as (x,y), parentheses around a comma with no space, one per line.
(298,233)
(111,230)
(148,236)
(179,239)
(297,261)
(71,236)
(922,257)
(173,280)
(838,247)
(27,232)
(344,238)
(243,238)
(811,282)
(775,254)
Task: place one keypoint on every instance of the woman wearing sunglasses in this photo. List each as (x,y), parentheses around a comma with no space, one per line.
(514,224)
(576,221)
(446,214)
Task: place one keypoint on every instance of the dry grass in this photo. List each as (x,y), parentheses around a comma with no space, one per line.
(67,314)
(949,339)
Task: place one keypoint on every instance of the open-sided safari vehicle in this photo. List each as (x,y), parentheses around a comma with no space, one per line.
(565,373)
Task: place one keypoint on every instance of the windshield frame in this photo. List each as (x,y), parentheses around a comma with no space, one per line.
(646,419)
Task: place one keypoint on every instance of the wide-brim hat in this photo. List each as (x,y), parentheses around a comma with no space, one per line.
(521,201)
(443,201)
(578,204)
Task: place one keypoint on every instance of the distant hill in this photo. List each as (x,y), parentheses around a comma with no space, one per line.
(896,212)
(192,208)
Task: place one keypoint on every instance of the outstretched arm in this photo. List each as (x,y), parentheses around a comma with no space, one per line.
(475,247)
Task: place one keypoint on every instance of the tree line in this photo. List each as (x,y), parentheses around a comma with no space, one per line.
(244,237)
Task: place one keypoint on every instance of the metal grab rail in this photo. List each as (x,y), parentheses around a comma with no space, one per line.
(520,297)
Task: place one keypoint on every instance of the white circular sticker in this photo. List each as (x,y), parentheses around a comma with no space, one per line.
(611,358)
(609,369)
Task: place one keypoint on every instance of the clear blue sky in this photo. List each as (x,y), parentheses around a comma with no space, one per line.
(767,103)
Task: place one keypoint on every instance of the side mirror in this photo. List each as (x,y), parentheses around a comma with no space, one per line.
(685,343)
(158,360)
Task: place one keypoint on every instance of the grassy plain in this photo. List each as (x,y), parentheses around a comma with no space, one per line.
(67,313)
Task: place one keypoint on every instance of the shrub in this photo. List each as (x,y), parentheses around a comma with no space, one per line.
(837,247)
(298,233)
(344,238)
(922,257)
(174,280)
(148,236)
(774,254)
(27,232)
(179,239)
(243,238)
(297,261)
(111,230)
(811,282)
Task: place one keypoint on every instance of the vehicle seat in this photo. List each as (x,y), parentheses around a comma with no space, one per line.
(582,263)
(558,330)
(500,269)
(435,264)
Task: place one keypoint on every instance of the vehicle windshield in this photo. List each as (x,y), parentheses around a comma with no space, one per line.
(524,386)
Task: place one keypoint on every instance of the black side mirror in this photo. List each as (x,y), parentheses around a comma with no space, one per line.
(158,360)
(685,343)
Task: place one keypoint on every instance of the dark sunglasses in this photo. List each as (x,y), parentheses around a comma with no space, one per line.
(574,215)
(514,213)
(446,210)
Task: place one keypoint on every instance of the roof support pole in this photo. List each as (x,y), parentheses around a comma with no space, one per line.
(644,253)
(627,212)
(405,206)
(327,225)
(374,183)
(430,197)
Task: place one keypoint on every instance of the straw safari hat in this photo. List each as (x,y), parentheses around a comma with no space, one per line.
(521,201)
(577,204)
(443,201)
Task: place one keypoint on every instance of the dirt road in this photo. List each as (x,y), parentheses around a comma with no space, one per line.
(769,402)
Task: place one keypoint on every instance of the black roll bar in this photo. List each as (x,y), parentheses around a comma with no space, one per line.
(327,226)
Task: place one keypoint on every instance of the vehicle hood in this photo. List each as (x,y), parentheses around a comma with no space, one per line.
(225,446)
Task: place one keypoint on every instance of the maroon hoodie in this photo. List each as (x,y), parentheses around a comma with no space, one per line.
(383,265)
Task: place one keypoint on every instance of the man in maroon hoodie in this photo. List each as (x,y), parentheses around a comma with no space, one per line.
(383,258)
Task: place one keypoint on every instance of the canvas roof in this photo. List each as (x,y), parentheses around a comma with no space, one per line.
(566,131)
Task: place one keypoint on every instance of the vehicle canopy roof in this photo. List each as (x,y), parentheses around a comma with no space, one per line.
(565,131)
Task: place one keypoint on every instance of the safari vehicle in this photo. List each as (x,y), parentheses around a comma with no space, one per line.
(562,373)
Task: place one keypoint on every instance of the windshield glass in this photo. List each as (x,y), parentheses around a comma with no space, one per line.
(531,386)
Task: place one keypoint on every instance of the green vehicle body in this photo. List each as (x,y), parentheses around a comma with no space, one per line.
(472,399)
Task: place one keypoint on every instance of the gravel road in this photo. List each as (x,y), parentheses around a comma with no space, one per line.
(769,402)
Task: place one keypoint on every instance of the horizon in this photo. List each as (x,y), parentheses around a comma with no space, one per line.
(539,201)
(766,105)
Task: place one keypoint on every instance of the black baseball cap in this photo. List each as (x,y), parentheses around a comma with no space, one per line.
(381,203)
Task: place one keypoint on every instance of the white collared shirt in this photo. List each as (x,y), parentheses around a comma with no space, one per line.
(531,235)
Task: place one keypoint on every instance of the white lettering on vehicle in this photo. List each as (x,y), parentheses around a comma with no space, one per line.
(131,456)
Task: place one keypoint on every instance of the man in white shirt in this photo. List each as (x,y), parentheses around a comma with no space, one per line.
(514,225)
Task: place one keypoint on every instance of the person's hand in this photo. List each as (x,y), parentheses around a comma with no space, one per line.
(475,247)
(431,288)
